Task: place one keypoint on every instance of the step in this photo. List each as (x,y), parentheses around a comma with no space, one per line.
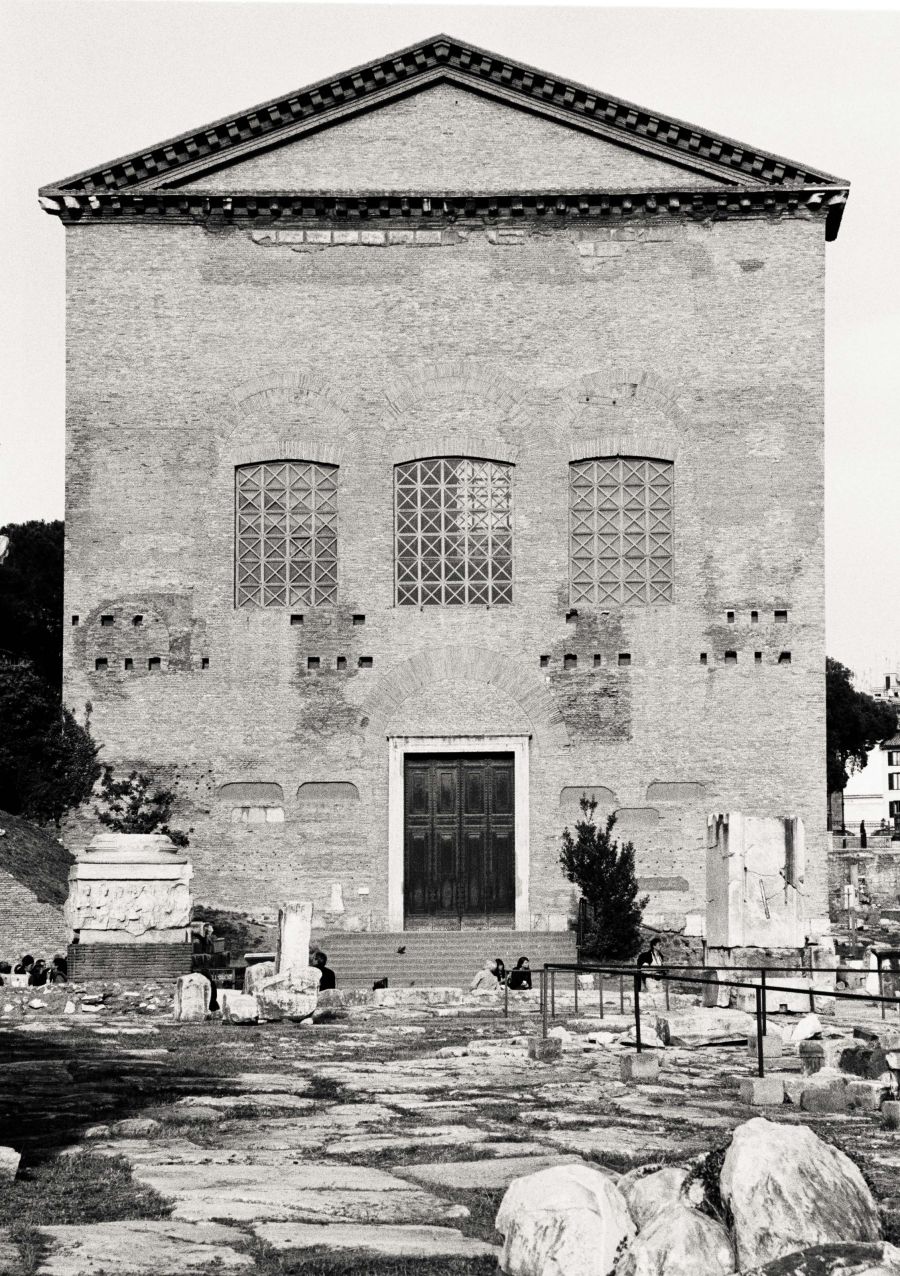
(436,958)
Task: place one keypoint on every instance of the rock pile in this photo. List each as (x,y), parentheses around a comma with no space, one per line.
(780,1197)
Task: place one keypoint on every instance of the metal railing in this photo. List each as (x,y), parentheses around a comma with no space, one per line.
(641,974)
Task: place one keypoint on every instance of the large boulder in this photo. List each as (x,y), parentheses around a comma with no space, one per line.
(237,1007)
(570,1220)
(292,994)
(256,974)
(851,1259)
(647,1194)
(679,1241)
(787,1190)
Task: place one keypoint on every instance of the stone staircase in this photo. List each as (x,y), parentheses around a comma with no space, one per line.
(436,958)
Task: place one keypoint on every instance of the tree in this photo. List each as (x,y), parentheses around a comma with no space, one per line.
(48,762)
(136,805)
(855,724)
(31,597)
(604,873)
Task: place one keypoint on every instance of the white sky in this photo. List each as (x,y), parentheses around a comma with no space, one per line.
(84,81)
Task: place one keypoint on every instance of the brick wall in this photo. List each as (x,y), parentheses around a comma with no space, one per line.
(191,351)
(26,924)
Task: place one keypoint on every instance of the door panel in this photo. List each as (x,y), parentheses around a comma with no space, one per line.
(459,836)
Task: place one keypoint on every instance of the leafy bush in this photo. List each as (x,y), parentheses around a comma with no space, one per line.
(136,805)
(604,873)
(48,762)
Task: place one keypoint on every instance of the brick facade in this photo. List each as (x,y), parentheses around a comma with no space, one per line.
(196,348)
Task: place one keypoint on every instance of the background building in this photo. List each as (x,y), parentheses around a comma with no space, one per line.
(445,442)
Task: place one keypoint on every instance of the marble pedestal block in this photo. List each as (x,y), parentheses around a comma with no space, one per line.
(130,888)
(755,867)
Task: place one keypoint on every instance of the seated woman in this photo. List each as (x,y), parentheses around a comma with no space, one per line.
(486,977)
(520,977)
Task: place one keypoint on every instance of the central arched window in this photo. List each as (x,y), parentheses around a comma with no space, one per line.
(620,530)
(453,531)
(286,534)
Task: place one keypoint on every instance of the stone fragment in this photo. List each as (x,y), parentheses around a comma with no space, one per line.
(294,930)
(238,1007)
(788,1189)
(890,1114)
(568,1221)
(647,1194)
(9,1163)
(864,1096)
(255,974)
(153,1248)
(804,1029)
(679,1241)
(639,1067)
(135,1128)
(771,1045)
(703,1027)
(762,1092)
(192,994)
(37,1004)
(824,1099)
(544,1049)
(407,1241)
(69,1008)
(97,1132)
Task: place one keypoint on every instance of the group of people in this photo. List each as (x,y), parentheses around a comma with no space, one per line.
(494,975)
(36,973)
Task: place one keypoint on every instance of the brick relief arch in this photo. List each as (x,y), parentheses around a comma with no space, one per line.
(624,400)
(285,404)
(474,396)
(415,676)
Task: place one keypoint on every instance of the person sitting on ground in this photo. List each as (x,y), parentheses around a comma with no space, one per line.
(59,971)
(24,966)
(328,980)
(5,969)
(486,977)
(520,978)
(37,976)
(650,957)
(501,970)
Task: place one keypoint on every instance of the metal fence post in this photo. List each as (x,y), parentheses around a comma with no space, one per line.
(601,993)
(759,1033)
(666,987)
(543,1003)
(575,982)
(765,1023)
(622,994)
(881,986)
(505,999)
(552,994)
(637,1012)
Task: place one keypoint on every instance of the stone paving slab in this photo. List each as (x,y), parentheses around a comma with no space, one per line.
(402,1241)
(637,1146)
(404,1140)
(271,1082)
(311,1192)
(154,1247)
(494,1172)
(707,1117)
(259,1102)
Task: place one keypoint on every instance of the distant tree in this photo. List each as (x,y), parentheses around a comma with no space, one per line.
(136,805)
(48,762)
(855,724)
(31,596)
(604,873)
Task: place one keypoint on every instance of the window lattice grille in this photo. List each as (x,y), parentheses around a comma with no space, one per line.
(620,521)
(454,531)
(286,534)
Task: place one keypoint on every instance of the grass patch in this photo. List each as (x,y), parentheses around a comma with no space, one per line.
(84,1188)
(325,1090)
(482,1204)
(324,1262)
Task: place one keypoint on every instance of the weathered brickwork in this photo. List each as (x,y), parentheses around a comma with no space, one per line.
(193,350)
(28,924)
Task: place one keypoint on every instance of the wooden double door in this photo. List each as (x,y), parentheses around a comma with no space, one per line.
(459,839)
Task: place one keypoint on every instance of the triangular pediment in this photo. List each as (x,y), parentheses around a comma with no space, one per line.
(442,116)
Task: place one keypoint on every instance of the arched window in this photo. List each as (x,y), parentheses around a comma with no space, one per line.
(453,531)
(620,530)
(285,534)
